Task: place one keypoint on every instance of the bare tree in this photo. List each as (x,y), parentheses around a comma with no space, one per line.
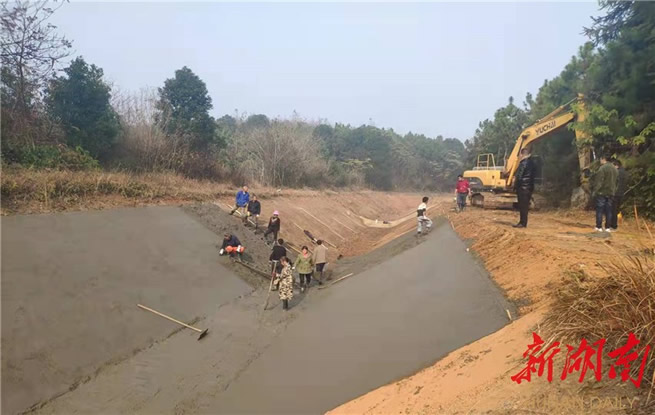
(282,154)
(31,51)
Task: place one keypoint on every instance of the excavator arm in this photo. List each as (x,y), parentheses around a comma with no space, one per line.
(552,122)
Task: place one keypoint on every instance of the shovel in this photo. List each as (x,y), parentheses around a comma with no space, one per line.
(203,333)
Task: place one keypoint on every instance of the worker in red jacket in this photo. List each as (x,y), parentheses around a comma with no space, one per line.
(462,190)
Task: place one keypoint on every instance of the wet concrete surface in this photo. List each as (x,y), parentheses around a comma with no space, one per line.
(412,301)
(381,325)
(71,282)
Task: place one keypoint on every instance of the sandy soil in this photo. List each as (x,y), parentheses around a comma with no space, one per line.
(528,264)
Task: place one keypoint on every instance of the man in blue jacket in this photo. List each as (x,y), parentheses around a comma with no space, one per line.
(243,197)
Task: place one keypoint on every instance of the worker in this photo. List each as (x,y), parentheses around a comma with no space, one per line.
(604,189)
(621,188)
(285,282)
(305,266)
(278,252)
(462,190)
(273,225)
(231,246)
(254,208)
(242,199)
(423,219)
(524,186)
(320,259)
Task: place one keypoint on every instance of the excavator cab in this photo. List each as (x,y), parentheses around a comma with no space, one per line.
(485,174)
(485,162)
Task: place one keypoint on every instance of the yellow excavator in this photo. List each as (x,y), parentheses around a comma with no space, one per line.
(490,179)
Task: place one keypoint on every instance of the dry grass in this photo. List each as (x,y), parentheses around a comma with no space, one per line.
(38,191)
(610,307)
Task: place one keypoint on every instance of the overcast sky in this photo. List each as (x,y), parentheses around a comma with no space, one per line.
(436,68)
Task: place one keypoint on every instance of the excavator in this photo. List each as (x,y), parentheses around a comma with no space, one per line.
(497,181)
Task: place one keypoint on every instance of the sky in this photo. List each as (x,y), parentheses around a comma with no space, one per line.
(431,68)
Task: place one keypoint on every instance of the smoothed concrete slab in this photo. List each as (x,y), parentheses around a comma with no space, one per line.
(71,282)
(381,325)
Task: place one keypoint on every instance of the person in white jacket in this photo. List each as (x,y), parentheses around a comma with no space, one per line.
(423,220)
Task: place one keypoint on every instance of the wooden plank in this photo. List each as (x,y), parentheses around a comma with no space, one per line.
(352,220)
(323,223)
(344,225)
(327,242)
(255,270)
(337,280)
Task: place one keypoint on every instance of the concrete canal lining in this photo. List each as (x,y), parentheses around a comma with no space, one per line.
(384,324)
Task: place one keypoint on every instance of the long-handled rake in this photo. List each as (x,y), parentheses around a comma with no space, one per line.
(270,287)
(203,333)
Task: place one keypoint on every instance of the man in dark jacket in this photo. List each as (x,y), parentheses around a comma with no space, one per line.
(621,188)
(603,191)
(273,226)
(278,252)
(254,209)
(232,246)
(524,186)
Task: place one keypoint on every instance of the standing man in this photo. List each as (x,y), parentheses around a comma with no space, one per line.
(242,199)
(254,209)
(524,186)
(603,191)
(422,216)
(278,252)
(320,259)
(462,190)
(621,188)
(273,225)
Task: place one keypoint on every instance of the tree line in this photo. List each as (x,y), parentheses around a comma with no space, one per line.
(54,117)
(615,70)
(70,117)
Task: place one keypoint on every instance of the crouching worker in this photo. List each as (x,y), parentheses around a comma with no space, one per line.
(285,281)
(231,246)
